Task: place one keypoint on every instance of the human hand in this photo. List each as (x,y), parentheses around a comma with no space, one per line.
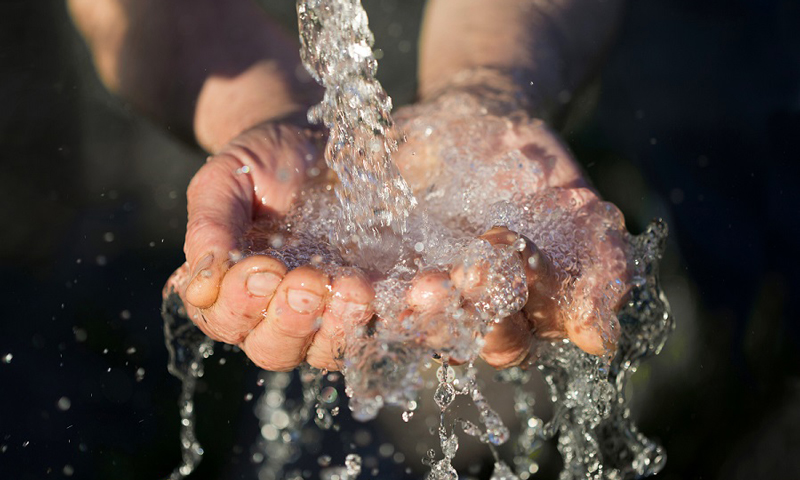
(279,318)
(576,266)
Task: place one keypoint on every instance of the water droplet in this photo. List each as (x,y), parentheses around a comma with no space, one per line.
(64,404)
(444,395)
(445,374)
(329,395)
(353,464)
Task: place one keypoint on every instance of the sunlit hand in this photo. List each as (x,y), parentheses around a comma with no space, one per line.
(279,318)
(456,132)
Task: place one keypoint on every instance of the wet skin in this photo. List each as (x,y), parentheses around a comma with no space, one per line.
(230,91)
(282,318)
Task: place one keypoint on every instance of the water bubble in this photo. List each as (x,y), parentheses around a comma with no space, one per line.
(276,241)
(329,395)
(323,419)
(280,419)
(64,404)
(386,450)
(446,374)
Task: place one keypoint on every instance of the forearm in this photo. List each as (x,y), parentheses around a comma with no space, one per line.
(534,49)
(205,68)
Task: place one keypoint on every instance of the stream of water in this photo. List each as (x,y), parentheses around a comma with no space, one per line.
(372,221)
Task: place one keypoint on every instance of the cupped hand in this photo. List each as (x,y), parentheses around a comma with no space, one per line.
(574,296)
(282,318)
(279,318)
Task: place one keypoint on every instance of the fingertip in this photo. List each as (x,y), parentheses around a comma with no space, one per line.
(322,361)
(508,342)
(428,290)
(595,336)
(204,287)
(351,297)
(467,280)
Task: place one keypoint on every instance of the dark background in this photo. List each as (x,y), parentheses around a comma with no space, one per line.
(695,117)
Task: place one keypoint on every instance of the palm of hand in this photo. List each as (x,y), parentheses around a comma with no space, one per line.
(282,318)
(513,171)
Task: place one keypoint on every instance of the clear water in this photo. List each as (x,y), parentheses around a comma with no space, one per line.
(370,219)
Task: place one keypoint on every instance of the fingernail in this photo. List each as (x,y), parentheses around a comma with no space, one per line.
(348,310)
(262,284)
(303,301)
(203,264)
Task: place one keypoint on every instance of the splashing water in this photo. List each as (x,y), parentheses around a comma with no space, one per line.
(336,48)
(374,224)
(187,347)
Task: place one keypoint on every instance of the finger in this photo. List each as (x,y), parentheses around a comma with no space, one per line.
(541,277)
(591,323)
(430,292)
(177,284)
(259,172)
(593,333)
(280,341)
(468,280)
(347,307)
(244,295)
(508,342)
(430,298)
(220,210)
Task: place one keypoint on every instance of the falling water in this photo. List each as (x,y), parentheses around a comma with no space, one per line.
(336,48)
(187,347)
(374,223)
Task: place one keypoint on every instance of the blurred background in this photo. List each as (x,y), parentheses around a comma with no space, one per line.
(695,117)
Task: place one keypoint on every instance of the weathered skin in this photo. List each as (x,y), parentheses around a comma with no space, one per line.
(233,93)
(250,303)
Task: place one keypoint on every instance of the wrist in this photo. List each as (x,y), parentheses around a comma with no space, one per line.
(228,106)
